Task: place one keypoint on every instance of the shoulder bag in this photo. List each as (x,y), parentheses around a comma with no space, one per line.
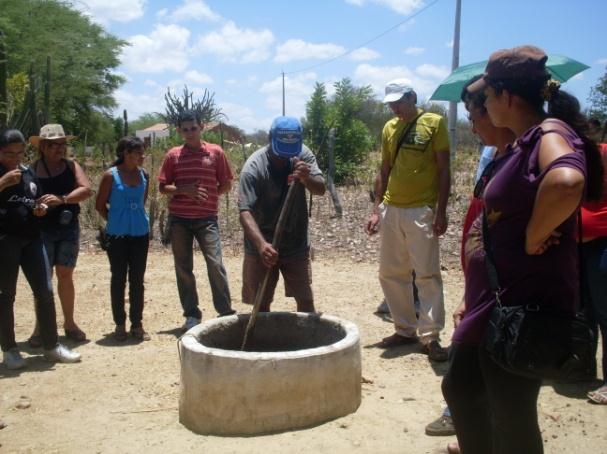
(537,341)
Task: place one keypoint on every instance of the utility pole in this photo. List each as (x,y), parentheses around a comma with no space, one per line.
(283,93)
(454,66)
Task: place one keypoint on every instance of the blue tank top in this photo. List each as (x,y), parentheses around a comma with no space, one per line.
(127,215)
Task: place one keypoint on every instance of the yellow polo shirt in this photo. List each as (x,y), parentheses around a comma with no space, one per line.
(413,180)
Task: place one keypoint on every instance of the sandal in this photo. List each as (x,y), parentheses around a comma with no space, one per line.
(435,352)
(139,334)
(599,396)
(76,335)
(34,341)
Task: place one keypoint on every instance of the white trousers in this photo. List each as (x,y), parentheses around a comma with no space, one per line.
(408,244)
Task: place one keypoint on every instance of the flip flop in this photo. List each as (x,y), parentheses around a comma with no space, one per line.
(75,334)
(599,396)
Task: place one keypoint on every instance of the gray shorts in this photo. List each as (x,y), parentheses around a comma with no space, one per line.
(62,244)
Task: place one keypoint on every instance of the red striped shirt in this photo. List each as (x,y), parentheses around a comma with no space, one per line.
(206,166)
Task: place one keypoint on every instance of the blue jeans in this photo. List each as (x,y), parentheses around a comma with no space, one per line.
(595,294)
(30,255)
(206,232)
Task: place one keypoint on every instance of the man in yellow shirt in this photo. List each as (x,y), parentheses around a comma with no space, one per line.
(413,184)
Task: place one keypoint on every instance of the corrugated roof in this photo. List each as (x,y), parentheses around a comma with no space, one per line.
(157,127)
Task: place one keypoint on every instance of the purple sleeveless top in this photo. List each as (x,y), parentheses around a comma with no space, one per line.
(547,279)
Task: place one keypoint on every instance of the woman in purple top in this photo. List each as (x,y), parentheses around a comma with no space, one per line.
(531,205)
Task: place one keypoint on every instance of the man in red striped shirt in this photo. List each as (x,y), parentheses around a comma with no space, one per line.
(194,175)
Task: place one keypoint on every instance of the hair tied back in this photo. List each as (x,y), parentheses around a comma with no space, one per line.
(550,88)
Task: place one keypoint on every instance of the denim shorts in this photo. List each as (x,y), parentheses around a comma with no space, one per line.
(62,244)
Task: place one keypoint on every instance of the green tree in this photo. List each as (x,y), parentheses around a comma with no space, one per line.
(345,112)
(598,99)
(83,57)
(17,86)
(352,137)
(315,124)
(375,114)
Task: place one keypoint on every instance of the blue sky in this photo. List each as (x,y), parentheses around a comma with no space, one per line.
(238,48)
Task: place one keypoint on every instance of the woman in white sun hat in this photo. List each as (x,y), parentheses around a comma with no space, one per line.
(64,186)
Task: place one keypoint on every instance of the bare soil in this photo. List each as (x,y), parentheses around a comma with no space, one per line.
(123,398)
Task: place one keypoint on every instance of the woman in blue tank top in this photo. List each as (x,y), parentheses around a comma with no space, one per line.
(121,201)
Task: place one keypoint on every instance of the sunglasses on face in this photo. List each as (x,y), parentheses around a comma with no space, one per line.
(192,129)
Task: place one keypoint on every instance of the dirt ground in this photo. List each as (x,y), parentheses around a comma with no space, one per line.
(123,398)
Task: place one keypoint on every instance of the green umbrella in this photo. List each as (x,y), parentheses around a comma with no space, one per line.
(562,69)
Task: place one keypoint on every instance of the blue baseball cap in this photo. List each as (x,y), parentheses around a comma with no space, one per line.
(286,137)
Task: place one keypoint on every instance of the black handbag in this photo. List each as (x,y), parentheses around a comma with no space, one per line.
(537,341)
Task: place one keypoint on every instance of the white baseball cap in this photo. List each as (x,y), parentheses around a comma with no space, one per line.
(396,89)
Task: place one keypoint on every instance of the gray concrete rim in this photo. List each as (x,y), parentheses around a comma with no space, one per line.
(190,341)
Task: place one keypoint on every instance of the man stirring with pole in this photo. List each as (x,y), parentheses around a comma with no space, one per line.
(264,183)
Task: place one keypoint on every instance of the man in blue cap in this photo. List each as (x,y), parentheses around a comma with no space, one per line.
(264,182)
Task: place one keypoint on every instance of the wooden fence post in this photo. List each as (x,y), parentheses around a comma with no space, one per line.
(330,174)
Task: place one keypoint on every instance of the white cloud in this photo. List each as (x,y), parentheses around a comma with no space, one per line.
(193,10)
(403,7)
(237,45)
(162,12)
(407,25)
(249,81)
(138,104)
(244,117)
(429,70)
(297,49)
(165,49)
(578,76)
(601,61)
(378,76)
(150,83)
(105,11)
(364,54)
(412,50)
(449,44)
(298,89)
(198,77)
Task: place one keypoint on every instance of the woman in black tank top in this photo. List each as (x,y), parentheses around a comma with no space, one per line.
(64,186)
(22,248)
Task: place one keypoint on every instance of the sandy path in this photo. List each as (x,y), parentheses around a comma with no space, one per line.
(124,398)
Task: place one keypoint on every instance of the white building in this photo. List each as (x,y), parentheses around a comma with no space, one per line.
(154,132)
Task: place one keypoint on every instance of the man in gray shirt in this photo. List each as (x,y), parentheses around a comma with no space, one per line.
(264,182)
